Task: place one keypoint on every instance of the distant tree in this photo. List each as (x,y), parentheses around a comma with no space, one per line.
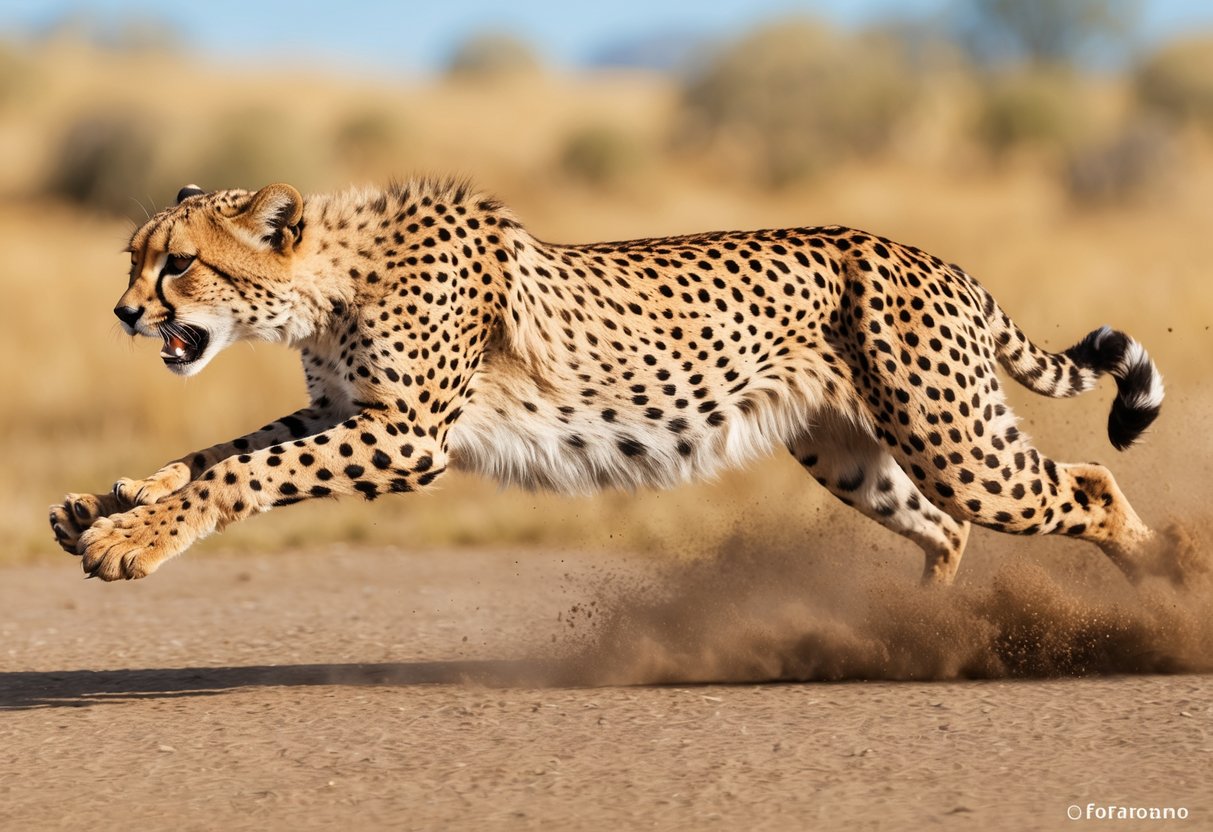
(794,98)
(102,159)
(492,55)
(1177,80)
(600,154)
(1056,32)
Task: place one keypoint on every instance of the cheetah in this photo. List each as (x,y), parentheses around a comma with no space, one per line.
(435,333)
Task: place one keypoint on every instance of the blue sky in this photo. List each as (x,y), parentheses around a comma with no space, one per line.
(418,36)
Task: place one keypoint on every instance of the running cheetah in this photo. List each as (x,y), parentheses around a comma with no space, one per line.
(435,332)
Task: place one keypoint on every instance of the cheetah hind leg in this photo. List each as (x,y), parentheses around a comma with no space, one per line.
(856,470)
(1109,521)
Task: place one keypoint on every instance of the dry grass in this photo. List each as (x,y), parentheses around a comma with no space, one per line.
(83,406)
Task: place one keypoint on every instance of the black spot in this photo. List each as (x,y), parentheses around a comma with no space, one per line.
(630,447)
(296,427)
(852,482)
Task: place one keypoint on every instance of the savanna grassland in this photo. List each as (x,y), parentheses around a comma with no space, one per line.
(1078,199)
(484,659)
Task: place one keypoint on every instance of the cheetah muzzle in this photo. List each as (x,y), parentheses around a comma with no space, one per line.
(435,332)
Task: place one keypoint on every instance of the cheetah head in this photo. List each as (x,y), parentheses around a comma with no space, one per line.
(212,270)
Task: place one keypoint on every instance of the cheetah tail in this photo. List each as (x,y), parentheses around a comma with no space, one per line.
(1139,387)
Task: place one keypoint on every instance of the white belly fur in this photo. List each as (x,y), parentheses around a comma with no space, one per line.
(499,437)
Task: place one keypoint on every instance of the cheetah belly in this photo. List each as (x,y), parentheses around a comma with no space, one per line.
(518,433)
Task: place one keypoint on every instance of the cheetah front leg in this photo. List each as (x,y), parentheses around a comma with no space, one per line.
(367,455)
(78,512)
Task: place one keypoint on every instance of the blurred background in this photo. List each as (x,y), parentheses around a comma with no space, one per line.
(1061,150)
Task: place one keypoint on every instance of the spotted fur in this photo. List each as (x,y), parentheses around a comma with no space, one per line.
(435,332)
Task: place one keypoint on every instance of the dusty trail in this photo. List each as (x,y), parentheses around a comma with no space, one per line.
(396,690)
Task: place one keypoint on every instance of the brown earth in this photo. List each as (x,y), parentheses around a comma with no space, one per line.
(396,690)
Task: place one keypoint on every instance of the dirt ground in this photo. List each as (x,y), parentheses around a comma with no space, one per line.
(400,690)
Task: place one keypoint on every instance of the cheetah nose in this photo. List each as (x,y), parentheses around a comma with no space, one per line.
(128,314)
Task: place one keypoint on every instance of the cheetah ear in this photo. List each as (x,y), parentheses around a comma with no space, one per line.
(275,215)
(188,191)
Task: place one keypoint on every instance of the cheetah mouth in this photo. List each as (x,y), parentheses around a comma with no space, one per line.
(183,343)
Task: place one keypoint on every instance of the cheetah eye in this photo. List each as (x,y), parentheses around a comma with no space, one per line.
(178,263)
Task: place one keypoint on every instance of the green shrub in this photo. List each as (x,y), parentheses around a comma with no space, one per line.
(600,155)
(105,161)
(370,143)
(1177,81)
(1036,108)
(257,146)
(1139,160)
(797,97)
(367,131)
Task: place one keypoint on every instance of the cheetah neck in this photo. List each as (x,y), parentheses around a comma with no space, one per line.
(322,290)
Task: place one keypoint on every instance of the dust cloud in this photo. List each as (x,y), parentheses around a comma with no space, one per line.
(772,610)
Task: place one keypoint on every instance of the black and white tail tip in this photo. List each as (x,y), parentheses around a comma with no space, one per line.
(1139,389)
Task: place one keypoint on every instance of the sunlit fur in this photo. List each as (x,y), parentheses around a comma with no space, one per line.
(436,332)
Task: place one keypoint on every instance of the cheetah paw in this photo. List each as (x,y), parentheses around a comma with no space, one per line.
(168,480)
(78,512)
(132,544)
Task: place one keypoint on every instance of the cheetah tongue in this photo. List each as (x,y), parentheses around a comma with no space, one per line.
(174,347)
(183,343)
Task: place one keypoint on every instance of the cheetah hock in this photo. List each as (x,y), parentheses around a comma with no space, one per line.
(435,332)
